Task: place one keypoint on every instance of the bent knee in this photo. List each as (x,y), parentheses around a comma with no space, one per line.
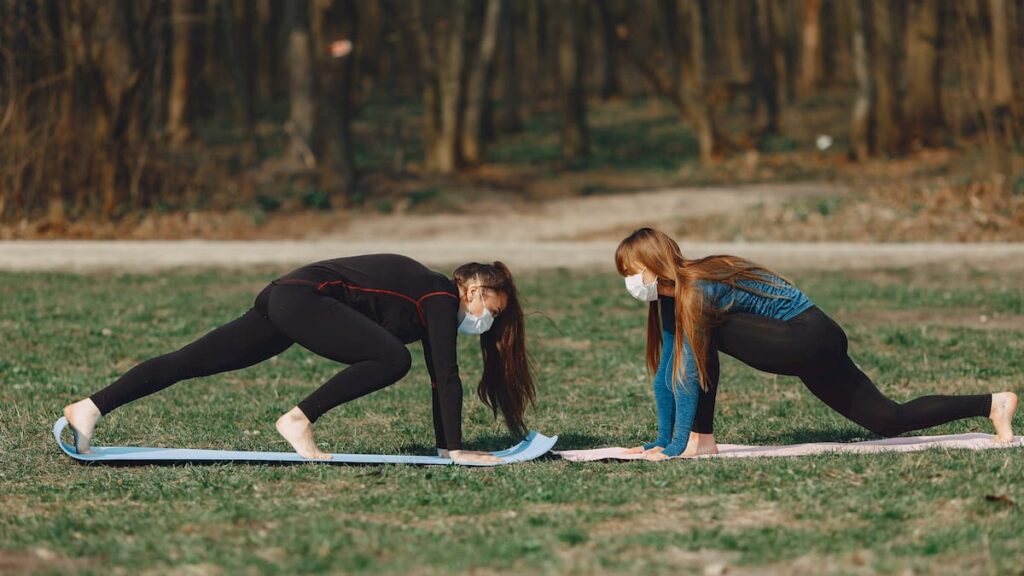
(398,361)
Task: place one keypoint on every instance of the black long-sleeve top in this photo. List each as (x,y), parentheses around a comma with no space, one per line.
(412,302)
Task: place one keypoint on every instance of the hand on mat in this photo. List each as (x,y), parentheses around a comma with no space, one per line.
(472,457)
(653,456)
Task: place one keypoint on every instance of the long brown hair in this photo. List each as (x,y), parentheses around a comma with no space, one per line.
(659,253)
(507,381)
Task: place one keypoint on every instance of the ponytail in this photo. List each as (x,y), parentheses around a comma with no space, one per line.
(507,381)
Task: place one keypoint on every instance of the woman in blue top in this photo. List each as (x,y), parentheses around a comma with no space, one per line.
(728,304)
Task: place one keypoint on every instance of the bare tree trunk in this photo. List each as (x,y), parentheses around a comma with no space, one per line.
(883,59)
(177,99)
(238,30)
(300,84)
(570,77)
(117,76)
(539,69)
(446,154)
(374,45)
(735,70)
(334,22)
(922,109)
(860,119)
(810,41)
(609,60)
(787,32)
(263,48)
(510,118)
(766,73)
(1002,78)
(694,78)
(837,42)
(424,35)
(478,86)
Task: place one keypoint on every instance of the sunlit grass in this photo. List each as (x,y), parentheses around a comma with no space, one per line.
(62,337)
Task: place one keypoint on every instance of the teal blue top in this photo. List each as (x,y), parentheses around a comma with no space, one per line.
(677,405)
(783,301)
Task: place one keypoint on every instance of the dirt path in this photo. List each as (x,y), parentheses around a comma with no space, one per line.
(578,233)
(586,218)
(88,256)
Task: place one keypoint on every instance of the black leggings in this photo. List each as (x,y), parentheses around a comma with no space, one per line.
(813,347)
(282,315)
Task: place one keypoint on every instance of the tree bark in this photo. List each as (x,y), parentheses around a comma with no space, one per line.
(116,77)
(1002,77)
(478,86)
(837,42)
(539,69)
(177,99)
(237,28)
(786,27)
(922,106)
(446,149)
(766,73)
(334,21)
(860,118)
(511,120)
(300,84)
(883,61)
(694,78)
(570,78)
(810,55)
(423,33)
(734,66)
(609,59)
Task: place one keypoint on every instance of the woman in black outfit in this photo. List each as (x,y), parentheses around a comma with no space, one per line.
(359,311)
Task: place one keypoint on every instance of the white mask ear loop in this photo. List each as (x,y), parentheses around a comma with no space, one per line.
(473,324)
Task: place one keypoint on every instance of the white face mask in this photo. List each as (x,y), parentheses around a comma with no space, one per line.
(476,325)
(642,292)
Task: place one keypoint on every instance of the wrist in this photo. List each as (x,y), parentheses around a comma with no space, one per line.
(673,450)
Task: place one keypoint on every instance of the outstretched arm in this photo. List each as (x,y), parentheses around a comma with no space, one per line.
(685,396)
(663,397)
(440,353)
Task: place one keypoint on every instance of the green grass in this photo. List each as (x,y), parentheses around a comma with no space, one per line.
(619,138)
(62,337)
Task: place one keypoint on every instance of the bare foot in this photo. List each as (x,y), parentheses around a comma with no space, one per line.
(706,444)
(1004,404)
(298,431)
(82,417)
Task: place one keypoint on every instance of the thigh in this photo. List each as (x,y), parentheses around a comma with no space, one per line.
(247,340)
(763,343)
(329,328)
(846,389)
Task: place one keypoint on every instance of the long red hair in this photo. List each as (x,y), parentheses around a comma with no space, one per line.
(658,252)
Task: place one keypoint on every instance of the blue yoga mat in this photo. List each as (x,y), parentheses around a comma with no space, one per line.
(533,446)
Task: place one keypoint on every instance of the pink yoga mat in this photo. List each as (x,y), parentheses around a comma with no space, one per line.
(906,444)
